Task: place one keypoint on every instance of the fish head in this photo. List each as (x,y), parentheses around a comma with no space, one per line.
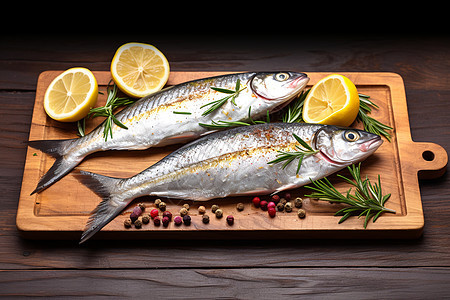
(279,87)
(345,146)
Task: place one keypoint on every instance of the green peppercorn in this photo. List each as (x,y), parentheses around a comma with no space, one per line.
(142,206)
(282,200)
(219,213)
(205,219)
(301,213)
(240,206)
(288,207)
(186,206)
(214,208)
(138,223)
(127,223)
(298,202)
(183,212)
(201,209)
(280,206)
(157,202)
(145,218)
(162,206)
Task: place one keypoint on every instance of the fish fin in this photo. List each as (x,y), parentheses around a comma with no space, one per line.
(110,206)
(61,166)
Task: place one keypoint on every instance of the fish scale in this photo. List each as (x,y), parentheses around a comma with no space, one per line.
(233,162)
(151,121)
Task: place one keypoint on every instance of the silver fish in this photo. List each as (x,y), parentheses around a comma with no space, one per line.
(231,163)
(155,120)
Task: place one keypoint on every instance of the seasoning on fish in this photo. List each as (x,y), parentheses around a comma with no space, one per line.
(152,123)
(231,163)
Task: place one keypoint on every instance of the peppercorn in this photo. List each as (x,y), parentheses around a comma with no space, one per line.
(145,218)
(301,213)
(230,220)
(263,205)
(186,206)
(205,219)
(276,198)
(280,206)
(142,206)
(187,220)
(154,213)
(240,206)
(137,211)
(178,220)
(183,212)
(287,196)
(157,202)
(271,204)
(167,214)
(162,206)
(138,223)
(298,202)
(288,207)
(201,209)
(127,223)
(214,208)
(282,200)
(219,213)
(156,221)
(165,221)
(272,211)
(256,201)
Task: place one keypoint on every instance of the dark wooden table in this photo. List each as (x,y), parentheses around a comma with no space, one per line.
(353,269)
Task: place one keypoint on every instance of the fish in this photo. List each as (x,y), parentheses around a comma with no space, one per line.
(233,162)
(175,114)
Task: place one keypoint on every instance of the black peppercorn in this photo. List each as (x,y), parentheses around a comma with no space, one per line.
(187,220)
(205,219)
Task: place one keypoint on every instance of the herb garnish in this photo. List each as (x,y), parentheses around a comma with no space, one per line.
(288,157)
(112,102)
(218,103)
(181,112)
(367,200)
(295,109)
(226,124)
(369,123)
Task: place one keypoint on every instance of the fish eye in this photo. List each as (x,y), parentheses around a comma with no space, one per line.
(281,76)
(351,136)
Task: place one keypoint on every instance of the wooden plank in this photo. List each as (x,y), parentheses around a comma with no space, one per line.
(229,283)
(58,213)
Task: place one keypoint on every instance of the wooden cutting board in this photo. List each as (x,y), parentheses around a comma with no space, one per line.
(61,211)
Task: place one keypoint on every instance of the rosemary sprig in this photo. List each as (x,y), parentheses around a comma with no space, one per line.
(367,200)
(218,103)
(227,124)
(294,111)
(369,123)
(288,157)
(112,102)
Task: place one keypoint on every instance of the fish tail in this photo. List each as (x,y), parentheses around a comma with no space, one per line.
(109,190)
(62,164)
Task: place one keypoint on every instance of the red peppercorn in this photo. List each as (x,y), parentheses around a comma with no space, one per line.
(263,205)
(154,213)
(165,221)
(178,220)
(272,212)
(156,221)
(287,196)
(256,201)
(137,211)
(230,220)
(271,204)
(167,214)
(276,198)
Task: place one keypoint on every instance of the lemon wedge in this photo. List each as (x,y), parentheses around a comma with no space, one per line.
(71,95)
(139,69)
(333,100)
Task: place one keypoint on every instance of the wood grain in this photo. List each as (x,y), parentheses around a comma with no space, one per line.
(58,212)
(416,269)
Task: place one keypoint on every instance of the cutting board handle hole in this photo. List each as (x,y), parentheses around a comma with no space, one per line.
(428,155)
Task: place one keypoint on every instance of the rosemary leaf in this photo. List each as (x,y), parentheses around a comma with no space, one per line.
(367,200)
(218,103)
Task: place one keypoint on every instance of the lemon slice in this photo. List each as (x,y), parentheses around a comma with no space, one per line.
(139,69)
(333,100)
(71,95)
